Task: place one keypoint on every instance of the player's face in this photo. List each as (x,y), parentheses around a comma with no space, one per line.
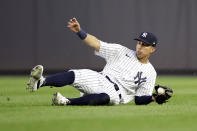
(143,50)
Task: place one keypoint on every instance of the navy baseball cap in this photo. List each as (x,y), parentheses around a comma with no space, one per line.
(148,38)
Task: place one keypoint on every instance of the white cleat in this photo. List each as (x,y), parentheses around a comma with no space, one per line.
(35,77)
(59,100)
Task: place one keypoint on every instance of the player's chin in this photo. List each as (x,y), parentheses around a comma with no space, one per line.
(139,55)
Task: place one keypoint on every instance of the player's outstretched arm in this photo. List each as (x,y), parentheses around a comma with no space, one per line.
(90,40)
(144,100)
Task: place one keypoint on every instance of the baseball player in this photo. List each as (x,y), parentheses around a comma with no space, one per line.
(128,75)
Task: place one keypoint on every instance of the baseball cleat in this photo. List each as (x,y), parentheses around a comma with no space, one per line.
(59,100)
(36,78)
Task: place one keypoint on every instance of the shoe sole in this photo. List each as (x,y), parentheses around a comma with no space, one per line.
(37,71)
(30,84)
(54,99)
(35,75)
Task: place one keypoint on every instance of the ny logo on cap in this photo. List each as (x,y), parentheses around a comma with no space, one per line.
(144,34)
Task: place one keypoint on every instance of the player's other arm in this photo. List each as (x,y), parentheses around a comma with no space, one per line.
(144,100)
(144,93)
(88,39)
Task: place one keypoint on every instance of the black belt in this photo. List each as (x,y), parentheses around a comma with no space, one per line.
(115,86)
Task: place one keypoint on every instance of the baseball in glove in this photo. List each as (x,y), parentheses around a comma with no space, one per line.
(162,94)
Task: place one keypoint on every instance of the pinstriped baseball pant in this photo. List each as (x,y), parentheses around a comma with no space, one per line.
(91,82)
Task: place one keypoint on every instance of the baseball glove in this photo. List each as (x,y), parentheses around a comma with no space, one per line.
(162,94)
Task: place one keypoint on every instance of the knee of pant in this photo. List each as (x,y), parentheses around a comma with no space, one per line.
(105,97)
(114,100)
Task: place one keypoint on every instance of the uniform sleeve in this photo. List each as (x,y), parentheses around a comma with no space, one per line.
(108,51)
(147,88)
(143,100)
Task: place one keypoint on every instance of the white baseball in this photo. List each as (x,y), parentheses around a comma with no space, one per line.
(161,91)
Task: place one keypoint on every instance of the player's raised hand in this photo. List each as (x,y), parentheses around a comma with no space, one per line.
(74,25)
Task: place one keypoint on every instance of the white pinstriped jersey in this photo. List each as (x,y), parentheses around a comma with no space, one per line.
(123,68)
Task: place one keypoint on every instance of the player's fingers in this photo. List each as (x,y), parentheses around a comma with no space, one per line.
(68,26)
(74,19)
(77,22)
(70,23)
(73,23)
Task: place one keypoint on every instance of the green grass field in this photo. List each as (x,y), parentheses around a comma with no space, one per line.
(21,110)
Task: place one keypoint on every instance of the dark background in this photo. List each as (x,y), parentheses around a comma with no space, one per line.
(32,32)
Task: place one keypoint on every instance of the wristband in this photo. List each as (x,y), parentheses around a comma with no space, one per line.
(82,34)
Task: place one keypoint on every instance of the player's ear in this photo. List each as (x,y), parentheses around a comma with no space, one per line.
(153,49)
